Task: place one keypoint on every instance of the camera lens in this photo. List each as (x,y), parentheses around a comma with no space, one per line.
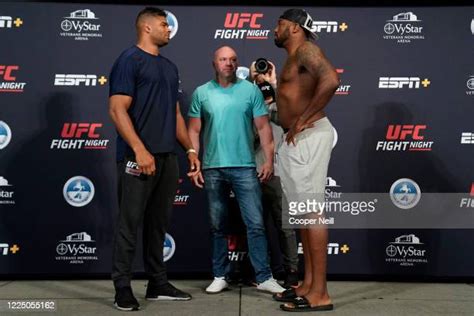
(261,65)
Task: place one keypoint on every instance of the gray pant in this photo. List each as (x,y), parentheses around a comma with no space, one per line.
(272,206)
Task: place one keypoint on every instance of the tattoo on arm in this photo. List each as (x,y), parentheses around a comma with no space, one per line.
(313,60)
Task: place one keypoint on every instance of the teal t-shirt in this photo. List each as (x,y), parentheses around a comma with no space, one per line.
(227,122)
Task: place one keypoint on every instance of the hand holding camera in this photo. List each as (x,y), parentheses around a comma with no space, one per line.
(263,70)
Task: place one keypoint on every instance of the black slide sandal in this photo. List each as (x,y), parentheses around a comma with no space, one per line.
(301,304)
(287,296)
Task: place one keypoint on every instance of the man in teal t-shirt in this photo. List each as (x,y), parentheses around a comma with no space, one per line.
(227,109)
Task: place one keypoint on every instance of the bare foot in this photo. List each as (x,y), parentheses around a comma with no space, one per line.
(303,289)
(316,299)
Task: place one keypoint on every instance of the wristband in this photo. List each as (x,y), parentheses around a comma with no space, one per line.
(190,151)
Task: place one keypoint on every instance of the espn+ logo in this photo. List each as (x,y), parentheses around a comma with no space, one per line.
(402,82)
(72,80)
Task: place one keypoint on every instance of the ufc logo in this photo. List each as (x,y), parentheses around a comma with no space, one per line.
(4,249)
(132,164)
(400,132)
(238,20)
(399,82)
(6,71)
(75,80)
(5,21)
(467,138)
(76,130)
(330,26)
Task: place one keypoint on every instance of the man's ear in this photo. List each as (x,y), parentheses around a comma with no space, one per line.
(294,28)
(147,28)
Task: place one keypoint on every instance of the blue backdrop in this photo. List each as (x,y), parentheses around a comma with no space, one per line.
(400,68)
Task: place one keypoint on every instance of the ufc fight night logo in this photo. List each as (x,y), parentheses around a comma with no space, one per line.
(405,138)
(80,136)
(242,26)
(8,79)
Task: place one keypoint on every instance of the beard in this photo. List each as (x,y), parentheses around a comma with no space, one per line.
(280,40)
(161,40)
(162,43)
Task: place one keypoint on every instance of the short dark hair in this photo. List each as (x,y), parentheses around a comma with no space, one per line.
(149,11)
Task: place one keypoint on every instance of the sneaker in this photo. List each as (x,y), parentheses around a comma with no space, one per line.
(166,292)
(291,279)
(270,285)
(124,299)
(218,285)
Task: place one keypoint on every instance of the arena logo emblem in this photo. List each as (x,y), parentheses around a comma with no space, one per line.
(74,80)
(80,136)
(242,26)
(5,134)
(78,191)
(242,72)
(329,26)
(342,89)
(406,250)
(7,22)
(331,183)
(405,138)
(8,81)
(172,23)
(405,193)
(6,192)
(330,190)
(77,248)
(336,137)
(169,247)
(470,86)
(403,28)
(81,25)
